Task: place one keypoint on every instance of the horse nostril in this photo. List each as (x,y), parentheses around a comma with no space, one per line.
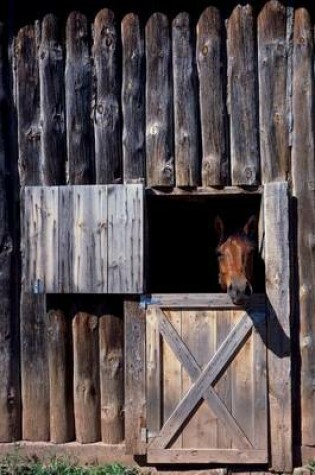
(248,290)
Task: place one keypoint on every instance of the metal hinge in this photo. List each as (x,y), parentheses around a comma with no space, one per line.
(38,286)
(146,299)
(146,434)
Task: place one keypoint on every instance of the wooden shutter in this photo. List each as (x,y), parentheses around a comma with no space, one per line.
(84,239)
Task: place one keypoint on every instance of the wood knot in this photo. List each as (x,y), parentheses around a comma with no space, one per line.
(205,50)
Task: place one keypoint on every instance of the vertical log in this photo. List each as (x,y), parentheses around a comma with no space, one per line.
(78,90)
(111,333)
(86,378)
(9,410)
(185,103)
(159,124)
(242,96)
(107,101)
(60,378)
(135,403)
(277,262)
(303,180)
(52,110)
(211,60)
(34,363)
(133,96)
(272,68)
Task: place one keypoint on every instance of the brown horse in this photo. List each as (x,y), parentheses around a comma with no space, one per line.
(235,258)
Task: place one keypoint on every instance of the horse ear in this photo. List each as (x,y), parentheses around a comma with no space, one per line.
(219,227)
(251,227)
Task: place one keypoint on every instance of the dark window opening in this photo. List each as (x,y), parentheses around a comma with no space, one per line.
(181,241)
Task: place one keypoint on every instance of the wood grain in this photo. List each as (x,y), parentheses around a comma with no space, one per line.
(159,124)
(242,98)
(133,99)
(187,159)
(107,126)
(211,59)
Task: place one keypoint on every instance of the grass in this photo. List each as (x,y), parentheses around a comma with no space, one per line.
(311,466)
(17,465)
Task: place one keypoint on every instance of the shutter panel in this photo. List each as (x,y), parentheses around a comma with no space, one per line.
(84,239)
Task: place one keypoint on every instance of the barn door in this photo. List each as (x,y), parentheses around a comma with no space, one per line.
(206,384)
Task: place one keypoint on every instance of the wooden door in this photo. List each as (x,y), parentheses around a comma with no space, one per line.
(206,382)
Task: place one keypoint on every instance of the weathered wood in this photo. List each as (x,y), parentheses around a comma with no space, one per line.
(215,456)
(135,388)
(34,363)
(132,98)
(272,68)
(209,373)
(78,90)
(107,127)
(205,191)
(125,239)
(86,378)
(60,378)
(159,123)
(27,105)
(111,341)
(41,230)
(211,57)
(9,408)
(242,96)
(52,107)
(220,301)
(187,160)
(277,264)
(89,239)
(303,180)
(153,374)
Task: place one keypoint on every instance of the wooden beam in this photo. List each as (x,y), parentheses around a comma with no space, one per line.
(135,385)
(211,59)
(227,191)
(277,264)
(215,456)
(219,301)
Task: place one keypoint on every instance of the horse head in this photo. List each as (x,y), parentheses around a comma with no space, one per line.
(235,254)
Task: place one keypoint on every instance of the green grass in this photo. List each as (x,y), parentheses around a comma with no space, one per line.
(311,466)
(17,465)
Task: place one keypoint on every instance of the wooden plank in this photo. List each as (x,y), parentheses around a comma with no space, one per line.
(277,264)
(34,363)
(172,375)
(90,237)
(219,301)
(215,456)
(27,105)
(132,99)
(107,127)
(125,238)
(242,390)
(111,341)
(78,91)
(186,121)
(65,236)
(211,56)
(159,142)
(52,107)
(41,227)
(227,191)
(9,389)
(223,387)
(153,373)
(200,430)
(86,378)
(135,387)
(60,378)
(242,96)
(193,369)
(221,358)
(303,181)
(273,114)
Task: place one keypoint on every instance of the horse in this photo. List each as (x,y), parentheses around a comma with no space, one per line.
(235,253)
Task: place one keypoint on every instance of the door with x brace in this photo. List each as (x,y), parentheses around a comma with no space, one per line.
(206,384)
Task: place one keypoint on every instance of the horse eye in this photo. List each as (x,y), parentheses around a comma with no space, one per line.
(218,253)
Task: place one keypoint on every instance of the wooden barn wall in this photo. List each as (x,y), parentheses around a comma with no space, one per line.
(168,102)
